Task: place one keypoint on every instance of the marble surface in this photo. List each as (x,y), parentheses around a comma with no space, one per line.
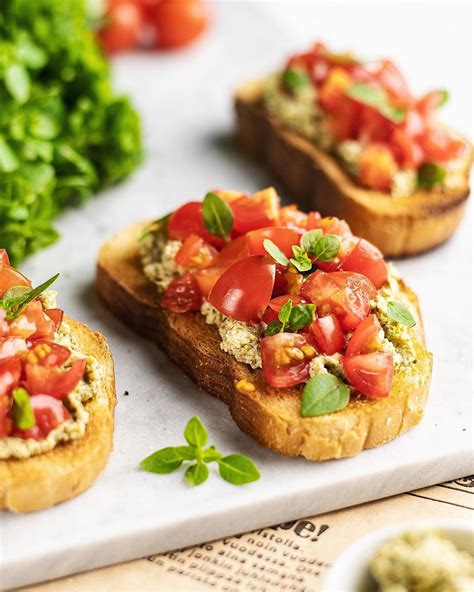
(185,99)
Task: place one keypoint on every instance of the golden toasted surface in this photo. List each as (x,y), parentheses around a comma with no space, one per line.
(270,415)
(399,226)
(70,468)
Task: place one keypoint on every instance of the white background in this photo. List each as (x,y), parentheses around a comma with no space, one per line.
(186,107)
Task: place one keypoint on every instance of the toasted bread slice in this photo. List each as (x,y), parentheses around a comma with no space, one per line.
(71,467)
(399,226)
(271,416)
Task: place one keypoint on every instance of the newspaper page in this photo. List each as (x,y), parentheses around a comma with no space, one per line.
(289,557)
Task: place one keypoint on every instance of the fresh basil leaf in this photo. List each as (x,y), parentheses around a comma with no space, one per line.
(301,260)
(238,469)
(399,312)
(164,461)
(429,175)
(196,474)
(8,160)
(271,248)
(301,316)
(217,216)
(23,416)
(326,248)
(294,79)
(14,306)
(378,99)
(211,454)
(195,433)
(309,238)
(160,225)
(443,97)
(323,393)
(273,328)
(17,81)
(187,452)
(285,312)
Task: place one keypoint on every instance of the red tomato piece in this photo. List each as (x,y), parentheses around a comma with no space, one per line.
(244,289)
(291,217)
(10,372)
(49,413)
(50,380)
(332,225)
(33,323)
(407,151)
(259,211)
(47,353)
(206,279)
(377,167)
(11,277)
(328,334)
(440,146)
(366,337)
(332,91)
(4,259)
(285,359)
(347,246)
(10,346)
(312,221)
(232,252)
(122,30)
(195,253)
(429,103)
(370,374)
(366,259)
(394,83)
(284,239)
(182,295)
(56,315)
(188,220)
(275,304)
(180,22)
(374,127)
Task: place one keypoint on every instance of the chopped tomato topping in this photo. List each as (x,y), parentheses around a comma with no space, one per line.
(33,323)
(196,253)
(183,294)
(367,260)
(244,289)
(283,238)
(377,167)
(56,315)
(50,380)
(275,304)
(258,211)
(291,217)
(328,334)
(10,346)
(312,221)
(47,353)
(439,145)
(49,414)
(331,225)
(188,220)
(285,359)
(11,277)
(370,374)
(366,337)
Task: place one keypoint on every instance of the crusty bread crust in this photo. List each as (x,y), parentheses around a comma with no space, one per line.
(270,415)
(70,468)
(399,226)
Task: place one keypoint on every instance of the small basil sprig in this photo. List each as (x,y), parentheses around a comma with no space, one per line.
(294,79)
(217,216)
(378,99)
(160,225)
(291,318)
(399,312)
(275,252)
(17,298)
(325,248)
(23,416)
(234,468)
(324,393)
(430,174)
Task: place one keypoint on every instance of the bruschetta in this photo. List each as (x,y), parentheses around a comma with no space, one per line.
(57,397)
(315,343)
(349,139)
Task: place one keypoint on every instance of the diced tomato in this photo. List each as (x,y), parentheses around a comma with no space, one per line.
(413,124)
(366,337)
(374,127)
(332,91)
(33,323)
(182,295)
(344,123)
(332,225)
(10,372)
(291,217)
(366,259)
(275,304)
(188,220)
(49,414)
(439,145)
(370,374)
(345,294)
(4,326)
(328,334)
(394,83)
(196,253)
(50,380)
(47,353)
(285,359)
(407,151)
(429,103)
(11,277)
(284,239)
(4,259)
(56,315)
(206,278)
(232,252)
(259,211)
(281,285)
(123,22)
(377,167)
(244,289)
(312,222)
(10,346)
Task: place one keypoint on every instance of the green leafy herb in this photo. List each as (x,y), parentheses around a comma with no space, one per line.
(326,248)
(429,175)
(23,416)
(273,328)
(295,79)
(301,316)
(378,99)
(285,312)
(323,393)
(271,248)
(17,298)
(237,469)
(310,238)
(217,216)
(64,134)
(234,468)
(400,313)
(443,97)
(300,259)
(160,225)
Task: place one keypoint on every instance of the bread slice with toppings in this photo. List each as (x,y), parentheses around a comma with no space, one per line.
(42,480)
(398,226)
(271,416)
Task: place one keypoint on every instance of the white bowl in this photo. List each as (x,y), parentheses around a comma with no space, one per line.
(350,571)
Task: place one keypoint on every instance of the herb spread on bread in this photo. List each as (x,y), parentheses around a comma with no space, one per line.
(294,294)
(44,380)
(366,115)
